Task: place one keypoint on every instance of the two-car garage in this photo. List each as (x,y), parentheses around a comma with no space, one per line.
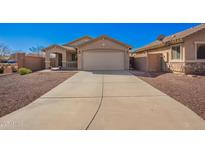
(103,60)
(103,53)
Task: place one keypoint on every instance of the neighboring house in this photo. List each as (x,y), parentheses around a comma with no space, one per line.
(181,52)
(87,53)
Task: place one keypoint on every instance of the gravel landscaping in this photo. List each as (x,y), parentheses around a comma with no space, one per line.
(17,90)
(188,90)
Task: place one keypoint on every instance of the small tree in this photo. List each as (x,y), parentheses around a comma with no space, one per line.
(36,49)
(4,50)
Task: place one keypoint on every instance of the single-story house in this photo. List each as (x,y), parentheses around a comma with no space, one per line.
(87,53)
(181,52)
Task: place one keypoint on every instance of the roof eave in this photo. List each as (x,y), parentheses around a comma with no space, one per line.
(164,44)
(104,36)
(63,47)
(87,36)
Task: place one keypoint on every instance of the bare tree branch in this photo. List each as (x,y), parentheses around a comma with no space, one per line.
(36,49)
(4,49)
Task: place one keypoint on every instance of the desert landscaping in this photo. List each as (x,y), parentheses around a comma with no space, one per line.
(158,86)
(187,89)
(17,90)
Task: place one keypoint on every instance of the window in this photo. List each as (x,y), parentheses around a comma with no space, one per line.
(200,51)
(73,57)
(176,52)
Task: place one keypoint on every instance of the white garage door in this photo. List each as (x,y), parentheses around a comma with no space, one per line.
(103,60)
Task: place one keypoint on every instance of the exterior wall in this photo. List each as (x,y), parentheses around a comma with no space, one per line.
(32,62)
(164,51)
(189,44)
(56,50)
(189,64)
(103,45)
(159,59)
(66,59)
(79,60)
(195,68)
(126,59)
(140,61)
(176,67)
(19,58)
(154,62)
(194,65)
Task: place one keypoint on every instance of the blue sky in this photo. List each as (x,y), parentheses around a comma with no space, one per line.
(23,36)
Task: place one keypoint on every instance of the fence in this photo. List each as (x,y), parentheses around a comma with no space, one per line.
(29,61)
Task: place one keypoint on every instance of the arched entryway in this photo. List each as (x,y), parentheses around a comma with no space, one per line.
(60,56)
(56,60)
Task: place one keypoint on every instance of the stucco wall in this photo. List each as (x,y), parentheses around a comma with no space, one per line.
(188,64)
(143,63)
(154,62)
(189,44)
(66,56)
(59,50)
(192,64)
(32,62)
(103,43)
(165,51)
(140,63)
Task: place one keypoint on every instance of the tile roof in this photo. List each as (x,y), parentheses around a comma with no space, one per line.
(61,46)
(105,37)
(179,35)
(79,41)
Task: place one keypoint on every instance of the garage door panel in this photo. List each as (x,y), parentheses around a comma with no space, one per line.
(103,60)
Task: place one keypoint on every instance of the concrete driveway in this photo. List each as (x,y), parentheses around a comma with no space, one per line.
(103,100)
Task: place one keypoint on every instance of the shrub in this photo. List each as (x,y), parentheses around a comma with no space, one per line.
(1,70)
(24,71)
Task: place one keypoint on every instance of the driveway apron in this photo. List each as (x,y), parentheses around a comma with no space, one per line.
(130,103)
(70,105)
(103,100)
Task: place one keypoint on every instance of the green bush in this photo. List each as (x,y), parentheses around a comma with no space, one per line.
(1,70)
(24,71)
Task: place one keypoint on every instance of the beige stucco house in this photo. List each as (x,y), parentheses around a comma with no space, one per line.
(181,52)
(87,53)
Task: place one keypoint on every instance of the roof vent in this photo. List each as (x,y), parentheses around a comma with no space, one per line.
(161,37)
